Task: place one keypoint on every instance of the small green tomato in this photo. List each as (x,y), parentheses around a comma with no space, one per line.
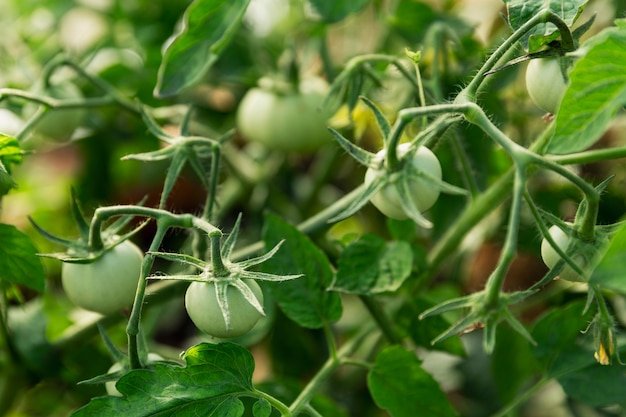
(423,193)
(204,310)
(545,83)
(551,257)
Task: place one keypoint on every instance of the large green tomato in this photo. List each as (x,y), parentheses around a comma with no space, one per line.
(289,120)
(59,124)
(205,312)
(423,193)
(551,257)
(108,284)
(545,83)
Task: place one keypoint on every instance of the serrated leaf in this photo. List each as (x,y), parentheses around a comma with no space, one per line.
(336,10)
(597,91)
(207,28)
(399,385)
(19,263)
(520,11)
(210,384)
(371,265)
(305,300)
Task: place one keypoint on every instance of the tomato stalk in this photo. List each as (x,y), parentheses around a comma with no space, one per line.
(546,15)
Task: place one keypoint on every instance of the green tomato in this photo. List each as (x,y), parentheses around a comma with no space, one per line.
(423,193)
(109,283)
(551,257)
(117,366)
(545,83)
(204,311)
(59,124)
(292,121)
(10,123)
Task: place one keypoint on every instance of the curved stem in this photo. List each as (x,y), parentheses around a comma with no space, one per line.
(469,92)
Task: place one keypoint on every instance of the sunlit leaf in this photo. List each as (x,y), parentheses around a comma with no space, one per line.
(596,93)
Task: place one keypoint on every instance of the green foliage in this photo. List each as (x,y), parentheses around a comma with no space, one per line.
(210,383)
(306,300)
(370,265)
(195,49)
(335,11)
(520,11)
(19,262)
(597,92)
(399,385)
(354,313)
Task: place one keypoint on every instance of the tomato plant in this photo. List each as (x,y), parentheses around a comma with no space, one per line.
(108,284)
(238,144)
(284,117)
(203,308)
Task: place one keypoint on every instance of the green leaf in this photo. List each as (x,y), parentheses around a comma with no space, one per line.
(557,334)
(597,91)
(210,384)
(208,26)
(399,385)
(520,11)
(262,408)
(597,385)
(610,273)
(305,300)
(19,263)
(370,265)
(10,151)
(336,10)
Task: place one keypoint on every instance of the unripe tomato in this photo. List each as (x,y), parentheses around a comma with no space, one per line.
(551,257)
(205,312)
(110,385)
(108,284)
(10,123)
(545,83)
(291,120)
(423,193)
(59,124)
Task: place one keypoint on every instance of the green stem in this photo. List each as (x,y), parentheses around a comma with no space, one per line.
(469,92)
(588,223)
(589,157)
(382,319)
(213,181)
(506,411)
(473,214)
(282,408)
(496,280)
(132,329)
(217,263)
(320,377)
